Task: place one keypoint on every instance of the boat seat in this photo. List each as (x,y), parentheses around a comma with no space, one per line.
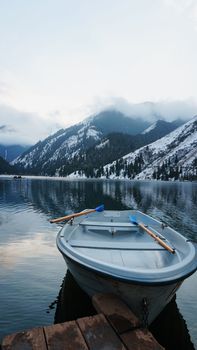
(109,224)
(115,245)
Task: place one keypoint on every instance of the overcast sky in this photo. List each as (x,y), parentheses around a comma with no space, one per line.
(62,60)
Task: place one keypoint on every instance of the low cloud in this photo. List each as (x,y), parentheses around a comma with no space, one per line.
(186,7)
(6,128)
(151,111)
(18,127)
(3,88)
(3,127)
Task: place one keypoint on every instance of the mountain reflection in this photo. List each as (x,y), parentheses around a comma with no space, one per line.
(174,203)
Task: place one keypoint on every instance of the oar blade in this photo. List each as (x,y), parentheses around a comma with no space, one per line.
(133,220)
(100,208)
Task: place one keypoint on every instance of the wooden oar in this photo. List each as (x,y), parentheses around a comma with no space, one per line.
(159,240)
(74,215)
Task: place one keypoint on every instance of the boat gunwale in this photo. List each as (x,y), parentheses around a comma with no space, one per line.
(163,275)
(155,278)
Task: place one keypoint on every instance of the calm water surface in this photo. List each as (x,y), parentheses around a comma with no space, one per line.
(31,268)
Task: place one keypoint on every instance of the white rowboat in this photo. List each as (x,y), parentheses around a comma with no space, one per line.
(106,252)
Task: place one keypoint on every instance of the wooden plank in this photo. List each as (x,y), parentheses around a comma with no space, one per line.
(64,336)
(124,321)
(140,339)
(29,340)
(116,311)
(98,333)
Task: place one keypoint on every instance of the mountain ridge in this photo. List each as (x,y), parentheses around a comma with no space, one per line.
(66,143)
(86,147)
(172,157)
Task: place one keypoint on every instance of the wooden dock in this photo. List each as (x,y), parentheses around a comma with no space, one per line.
(115,327)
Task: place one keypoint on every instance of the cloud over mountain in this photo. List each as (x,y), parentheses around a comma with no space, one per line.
(168,110)
(18,127)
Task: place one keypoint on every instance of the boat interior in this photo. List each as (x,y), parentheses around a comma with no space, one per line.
(113,238)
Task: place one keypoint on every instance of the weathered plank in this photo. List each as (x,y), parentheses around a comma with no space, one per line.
(116,311)
(98,333)
(64,336)
(140,339)
(123,321)
(29,340)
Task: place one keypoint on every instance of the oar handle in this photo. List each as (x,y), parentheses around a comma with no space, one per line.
(159,240)
(74,215)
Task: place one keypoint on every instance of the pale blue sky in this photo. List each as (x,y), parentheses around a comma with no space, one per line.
(63,60)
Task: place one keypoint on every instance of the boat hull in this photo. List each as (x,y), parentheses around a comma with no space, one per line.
(146,301)
(107,253)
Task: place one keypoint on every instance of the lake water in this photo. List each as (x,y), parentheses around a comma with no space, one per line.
(31,268)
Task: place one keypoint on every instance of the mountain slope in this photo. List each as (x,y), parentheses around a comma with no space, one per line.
(61,150)
(10,152)
(171,157)
(6,168)
(162,128)
(116,145)
(113,121)
(48,155)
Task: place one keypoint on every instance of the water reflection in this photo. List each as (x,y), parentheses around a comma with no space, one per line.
(175,203)
(169,328)
(72,302)
(16,253)
(27,239)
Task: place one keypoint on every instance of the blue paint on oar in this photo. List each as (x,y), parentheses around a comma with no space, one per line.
(133,219)
(100,208)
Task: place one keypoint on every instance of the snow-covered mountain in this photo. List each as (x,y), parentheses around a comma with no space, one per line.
(86,147)
(47,156)
(162,127)
(171,157)
(57,153)
(10,152)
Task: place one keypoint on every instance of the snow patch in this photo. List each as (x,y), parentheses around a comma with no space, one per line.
(150,128)
(102,144)
(93,133)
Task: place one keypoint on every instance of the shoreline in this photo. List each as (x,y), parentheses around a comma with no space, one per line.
(82,178)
